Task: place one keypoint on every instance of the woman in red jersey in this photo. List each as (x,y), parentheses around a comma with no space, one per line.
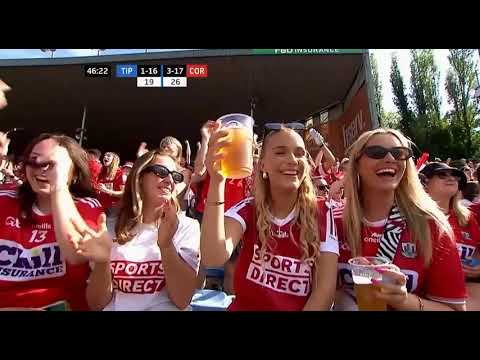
(38,267)
(289,247)
(110,181)
(444,185)
(388,213)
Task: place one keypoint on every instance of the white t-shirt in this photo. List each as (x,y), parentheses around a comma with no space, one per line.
(137,272)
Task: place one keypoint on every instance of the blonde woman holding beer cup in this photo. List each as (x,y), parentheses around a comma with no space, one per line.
(289,248)
(388,215)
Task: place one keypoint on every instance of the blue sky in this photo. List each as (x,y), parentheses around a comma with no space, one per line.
(383,57)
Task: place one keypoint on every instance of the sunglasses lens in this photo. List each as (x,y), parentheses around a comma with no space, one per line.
(160,171)
(177,177)
(375,152)
(36,165)
(379,152)
(295,126)
(401,153)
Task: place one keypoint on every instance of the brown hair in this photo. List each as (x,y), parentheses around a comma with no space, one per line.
(131,208)
(80,185)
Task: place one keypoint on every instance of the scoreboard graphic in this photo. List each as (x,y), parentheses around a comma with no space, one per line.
(154,76)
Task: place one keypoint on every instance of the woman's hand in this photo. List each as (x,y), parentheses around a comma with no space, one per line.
(392,288)
(93,245)
(4,142)
(103,188)
(218,139)
(336,190)
(167,224)
(60,165)
(142,149)
(3,89)
(207,129)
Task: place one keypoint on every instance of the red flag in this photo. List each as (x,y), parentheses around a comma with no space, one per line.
(422,160)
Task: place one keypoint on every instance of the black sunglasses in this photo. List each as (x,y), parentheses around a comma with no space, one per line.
(445,174)
(36,165)
(295,126)
(162,172)
(379,152)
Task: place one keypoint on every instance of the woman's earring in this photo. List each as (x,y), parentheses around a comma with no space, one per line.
(264,175)
(358,181)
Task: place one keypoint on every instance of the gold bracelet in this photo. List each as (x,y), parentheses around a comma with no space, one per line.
(215,203)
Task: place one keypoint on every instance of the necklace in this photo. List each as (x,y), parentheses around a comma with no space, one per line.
(373,236)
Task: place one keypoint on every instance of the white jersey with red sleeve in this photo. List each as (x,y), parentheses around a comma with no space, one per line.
(467,237)
(33,272)
(442,280)
(138,277)
(280,280)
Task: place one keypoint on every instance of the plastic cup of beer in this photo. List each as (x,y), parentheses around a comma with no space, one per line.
(363,272)
(238,160)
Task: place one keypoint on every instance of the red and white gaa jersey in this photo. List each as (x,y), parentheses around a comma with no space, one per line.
(467,237)
(475,209)
(442,280)
(281,280)
(33,272)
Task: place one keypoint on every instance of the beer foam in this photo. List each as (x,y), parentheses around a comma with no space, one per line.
(361,280)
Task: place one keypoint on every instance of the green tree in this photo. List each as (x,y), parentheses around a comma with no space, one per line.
(391,120)
(425,94)
(459,83)
(377,84)
(400,98)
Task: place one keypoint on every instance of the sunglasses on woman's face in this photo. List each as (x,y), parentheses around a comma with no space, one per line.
(162,172)
(379,152)
(37,165)
(295,126)
(446,174)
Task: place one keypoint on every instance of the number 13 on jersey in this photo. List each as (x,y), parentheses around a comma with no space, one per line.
(38,236)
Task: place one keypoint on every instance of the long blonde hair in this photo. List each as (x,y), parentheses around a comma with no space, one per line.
(414,203)
(306,216)
(131,208)
(112,169)
(461,211)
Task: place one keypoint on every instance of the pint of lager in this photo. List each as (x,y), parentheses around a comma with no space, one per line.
(363,272)
(238,161)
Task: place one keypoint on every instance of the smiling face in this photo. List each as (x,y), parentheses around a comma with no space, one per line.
(154,189)
(284,160)
(107,159)
(36,176)
(381,174)
(443,185)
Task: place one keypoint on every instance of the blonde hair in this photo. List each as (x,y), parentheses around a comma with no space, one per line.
(112,169)
(170,140)
(306,216)
(131,208)
(414,203)
(461,211)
